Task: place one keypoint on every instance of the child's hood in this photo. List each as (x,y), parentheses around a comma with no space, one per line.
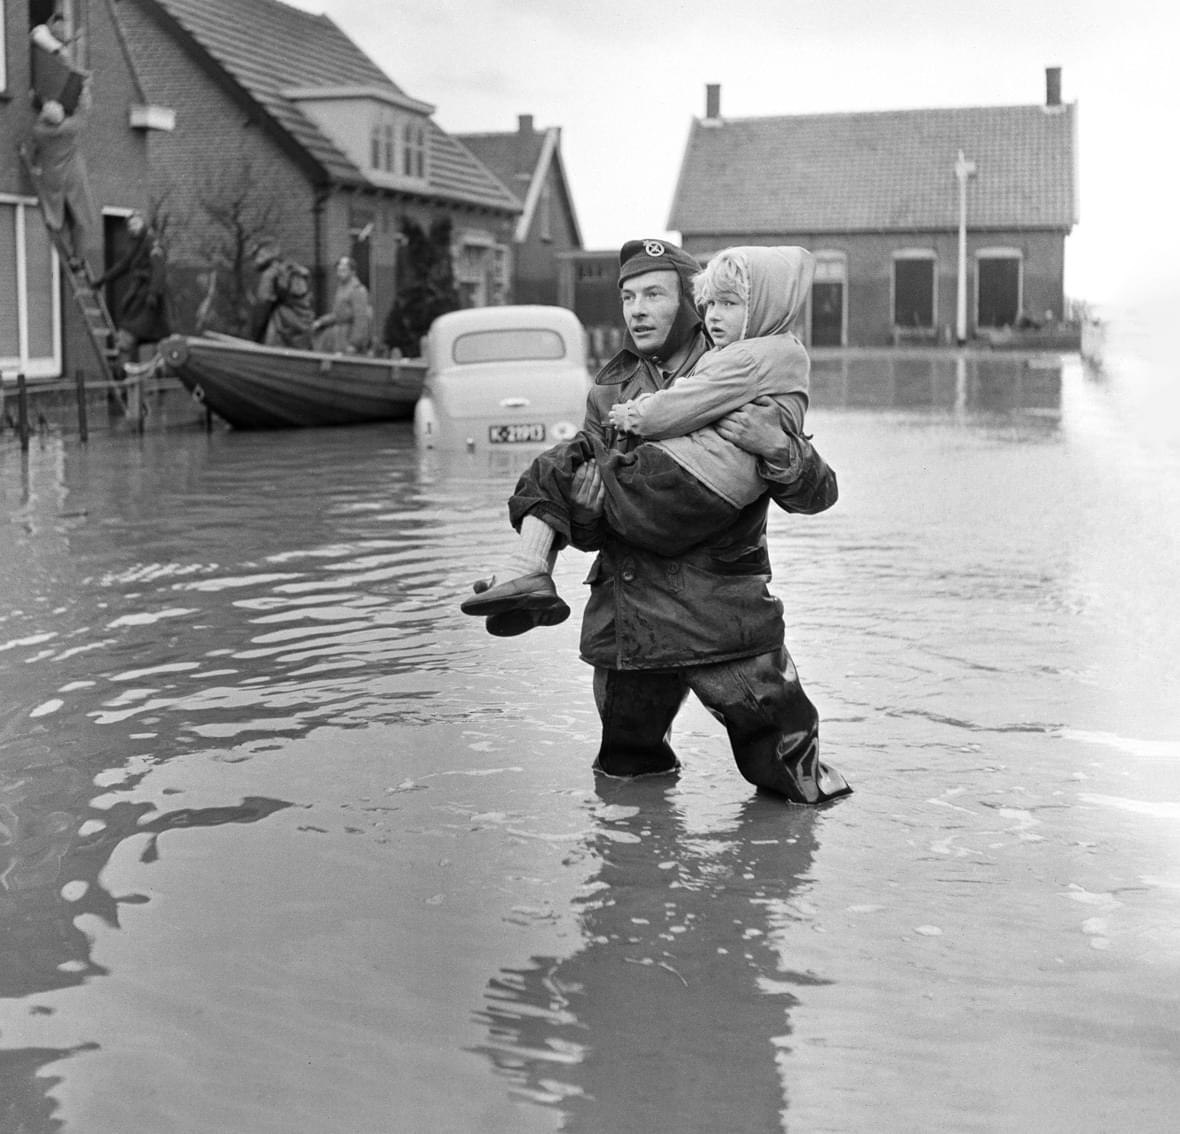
(780,278)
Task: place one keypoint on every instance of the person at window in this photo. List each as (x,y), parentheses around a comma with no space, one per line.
(51,36)
(348,327)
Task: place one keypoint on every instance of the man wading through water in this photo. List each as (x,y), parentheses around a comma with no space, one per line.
(656,627)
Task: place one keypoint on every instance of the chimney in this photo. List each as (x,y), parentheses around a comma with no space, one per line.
(524,124)
(1052,86)
(712,101)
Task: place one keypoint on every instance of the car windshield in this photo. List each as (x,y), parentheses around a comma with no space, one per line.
(512,344)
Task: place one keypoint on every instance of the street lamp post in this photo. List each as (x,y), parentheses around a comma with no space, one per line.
(963,170)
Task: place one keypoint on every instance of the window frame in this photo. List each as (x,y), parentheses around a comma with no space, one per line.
(910,256)
(1000,252)
(831,266)
(26,211)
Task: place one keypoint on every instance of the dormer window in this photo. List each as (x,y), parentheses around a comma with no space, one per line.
(388,163)
(399,144)
(383,131)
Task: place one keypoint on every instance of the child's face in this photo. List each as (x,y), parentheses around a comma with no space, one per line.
(725,315)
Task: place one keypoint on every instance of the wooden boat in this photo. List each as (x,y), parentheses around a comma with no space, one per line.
(260,387)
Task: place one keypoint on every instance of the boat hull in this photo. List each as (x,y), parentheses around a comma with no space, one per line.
(257,387)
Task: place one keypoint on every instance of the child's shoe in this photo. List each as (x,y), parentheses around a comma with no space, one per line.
(533,593)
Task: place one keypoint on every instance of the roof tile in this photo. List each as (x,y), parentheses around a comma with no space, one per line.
(877,171)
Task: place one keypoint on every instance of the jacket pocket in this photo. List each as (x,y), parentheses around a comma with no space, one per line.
(751,559)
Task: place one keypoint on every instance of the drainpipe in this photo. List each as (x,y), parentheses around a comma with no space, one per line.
(322,193)
(963,170)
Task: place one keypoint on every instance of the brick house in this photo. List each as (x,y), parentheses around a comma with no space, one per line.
(529,162)
(876,197)
(41,334)
(283,124)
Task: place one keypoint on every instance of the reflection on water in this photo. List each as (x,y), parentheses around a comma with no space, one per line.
(618,1034)
(252,755)
(965,385)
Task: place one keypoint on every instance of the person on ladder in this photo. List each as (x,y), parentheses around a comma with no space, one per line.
(62,179)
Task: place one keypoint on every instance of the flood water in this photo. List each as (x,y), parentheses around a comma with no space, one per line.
(289,844)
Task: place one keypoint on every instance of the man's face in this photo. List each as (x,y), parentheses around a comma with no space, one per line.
(344,270)
(135,224)
(650,303)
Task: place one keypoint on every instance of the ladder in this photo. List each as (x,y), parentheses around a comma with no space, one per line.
(90,302)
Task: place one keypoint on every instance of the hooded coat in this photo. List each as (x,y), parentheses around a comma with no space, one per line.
(768,361)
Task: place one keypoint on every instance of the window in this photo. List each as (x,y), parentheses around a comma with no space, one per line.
(407,149)
(913,289)
(397,144)
(592,270)
(998,279)
(417,151)
(513,344)
(481,269)
(30,300)
(828,299)
(546,207)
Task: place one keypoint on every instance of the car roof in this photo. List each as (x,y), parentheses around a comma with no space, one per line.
(513,315)
(446,328)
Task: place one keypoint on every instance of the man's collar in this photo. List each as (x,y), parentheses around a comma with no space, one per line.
(627,361)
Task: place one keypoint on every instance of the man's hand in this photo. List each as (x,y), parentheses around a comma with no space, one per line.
(588,495)
(757,427)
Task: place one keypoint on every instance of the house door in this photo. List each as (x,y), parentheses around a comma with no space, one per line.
(999,291)
(827,314)
(116,241)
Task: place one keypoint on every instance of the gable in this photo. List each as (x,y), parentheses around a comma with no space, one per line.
(527,162)
(878,171)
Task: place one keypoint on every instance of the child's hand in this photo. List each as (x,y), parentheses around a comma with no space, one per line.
(588,495)
(618,415)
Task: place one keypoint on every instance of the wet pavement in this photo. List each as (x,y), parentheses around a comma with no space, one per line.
(289,844)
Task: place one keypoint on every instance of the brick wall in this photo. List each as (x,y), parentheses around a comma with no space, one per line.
(869,266)
(213,158)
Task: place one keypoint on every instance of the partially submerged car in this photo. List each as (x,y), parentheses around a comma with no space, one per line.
(502,377)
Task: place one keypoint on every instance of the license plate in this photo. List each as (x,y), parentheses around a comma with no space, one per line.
(515,434)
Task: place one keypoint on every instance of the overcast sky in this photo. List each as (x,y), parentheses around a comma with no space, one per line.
(624,80)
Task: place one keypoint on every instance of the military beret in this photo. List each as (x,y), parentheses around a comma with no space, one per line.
(639,256)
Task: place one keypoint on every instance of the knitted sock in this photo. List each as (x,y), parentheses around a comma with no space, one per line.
(535,551)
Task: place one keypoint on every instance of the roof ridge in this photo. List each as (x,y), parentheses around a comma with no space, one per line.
(726,118)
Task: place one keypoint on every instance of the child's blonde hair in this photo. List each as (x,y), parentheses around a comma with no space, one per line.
(725,274)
